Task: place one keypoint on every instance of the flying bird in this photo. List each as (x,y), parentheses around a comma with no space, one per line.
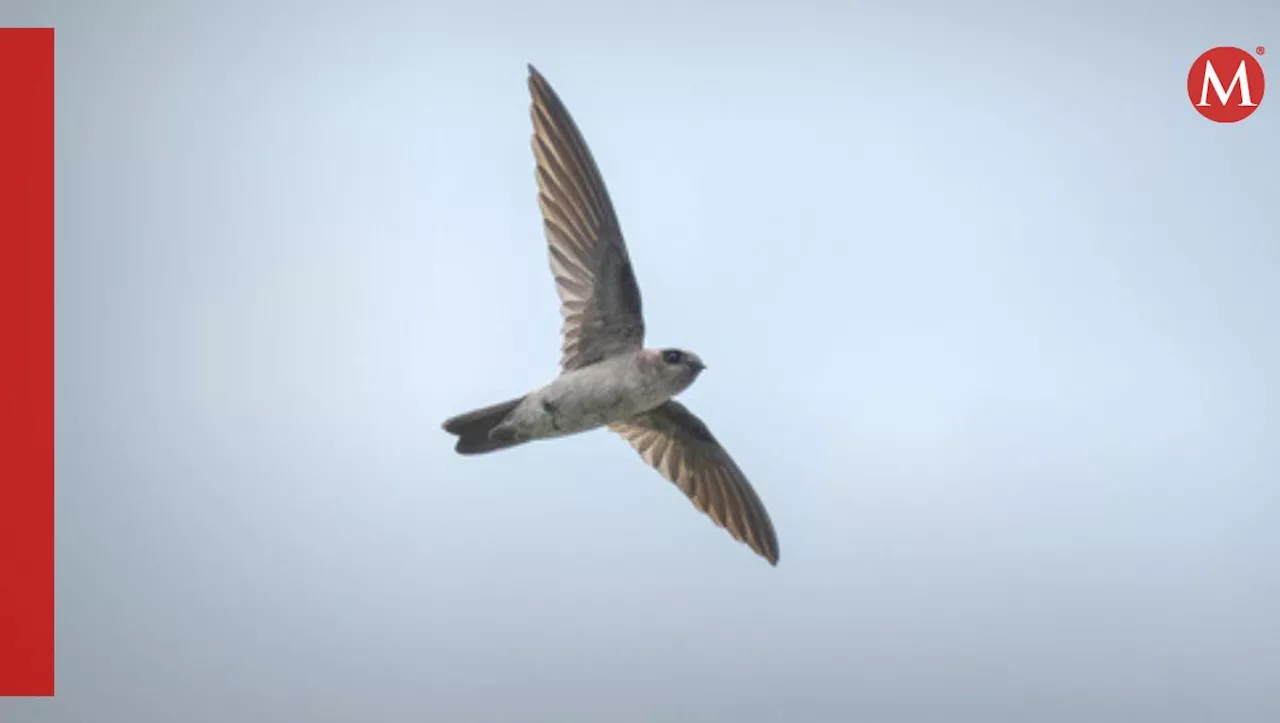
(608,378)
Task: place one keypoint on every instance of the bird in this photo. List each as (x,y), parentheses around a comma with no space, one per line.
(608,378)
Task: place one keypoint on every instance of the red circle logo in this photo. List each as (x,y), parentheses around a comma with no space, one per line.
(1226,84)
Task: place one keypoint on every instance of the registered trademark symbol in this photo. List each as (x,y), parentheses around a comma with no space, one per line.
(1262,50)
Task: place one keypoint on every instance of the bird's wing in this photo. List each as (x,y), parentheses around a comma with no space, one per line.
(679,445)
(599,298)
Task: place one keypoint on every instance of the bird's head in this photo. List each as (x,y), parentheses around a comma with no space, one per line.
(677,368)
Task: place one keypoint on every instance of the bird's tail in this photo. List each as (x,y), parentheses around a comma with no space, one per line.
(473,428)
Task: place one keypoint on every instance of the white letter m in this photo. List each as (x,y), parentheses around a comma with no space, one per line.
(1211,76)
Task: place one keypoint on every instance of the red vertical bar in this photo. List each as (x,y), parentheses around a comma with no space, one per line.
(26,361)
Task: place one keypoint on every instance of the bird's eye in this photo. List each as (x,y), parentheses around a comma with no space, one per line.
(671,356)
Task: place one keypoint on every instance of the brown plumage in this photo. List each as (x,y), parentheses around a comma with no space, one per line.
(676,443)
(607,376)
(473,428)
(599,298)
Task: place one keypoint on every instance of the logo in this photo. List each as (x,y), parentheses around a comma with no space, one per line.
(1226,84)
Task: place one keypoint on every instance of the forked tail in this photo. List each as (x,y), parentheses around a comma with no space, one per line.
(472,428)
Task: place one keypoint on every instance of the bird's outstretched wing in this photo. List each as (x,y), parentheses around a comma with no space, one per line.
(599,298)
(679,445)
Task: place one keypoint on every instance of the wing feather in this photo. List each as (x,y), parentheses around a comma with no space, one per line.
(599,298)
(677,444)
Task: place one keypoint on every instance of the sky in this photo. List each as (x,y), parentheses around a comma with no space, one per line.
(988,311)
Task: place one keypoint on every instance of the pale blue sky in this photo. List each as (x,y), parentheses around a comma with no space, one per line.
(988,309)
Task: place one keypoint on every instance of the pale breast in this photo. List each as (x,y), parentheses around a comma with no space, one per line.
(592,397)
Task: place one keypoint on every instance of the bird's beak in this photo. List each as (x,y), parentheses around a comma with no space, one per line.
(698,366)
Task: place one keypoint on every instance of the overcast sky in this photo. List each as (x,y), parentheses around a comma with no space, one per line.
(989,313)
